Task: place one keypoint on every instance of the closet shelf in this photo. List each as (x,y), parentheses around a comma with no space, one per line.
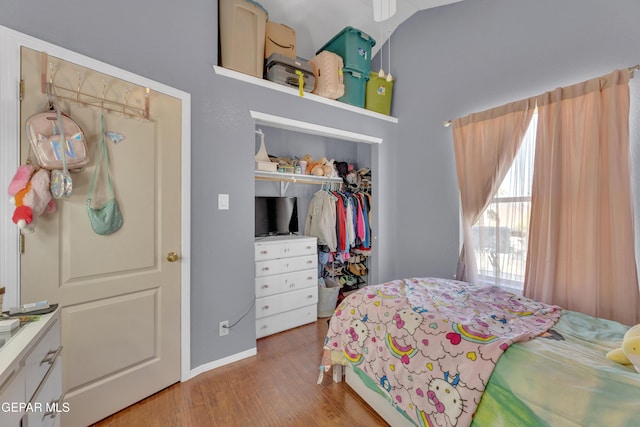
(292,91)
(295,177)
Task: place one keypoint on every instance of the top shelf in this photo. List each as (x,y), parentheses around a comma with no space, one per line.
(291,91)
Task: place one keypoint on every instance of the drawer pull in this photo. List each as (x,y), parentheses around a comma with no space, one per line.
(309,277)
(310,262)
(265,268)
(263,252)
(308,247)
(51,356)
(309,296)
(291,286)
(266,307)
(263,327)
(56,406)
(265,286)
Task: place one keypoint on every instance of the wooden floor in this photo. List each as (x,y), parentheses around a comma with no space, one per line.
(278,387)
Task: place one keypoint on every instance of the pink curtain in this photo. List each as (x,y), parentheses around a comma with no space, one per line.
(485,145)
(581,236)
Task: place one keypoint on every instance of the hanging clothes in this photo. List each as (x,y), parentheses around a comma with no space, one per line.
(321,219)
(340,220)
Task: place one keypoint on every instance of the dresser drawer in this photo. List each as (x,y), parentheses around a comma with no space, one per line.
(43,356)
(289,248)
(48,400)
(11,395)
(276,284)
(276,304)
(287,320)
(286,265)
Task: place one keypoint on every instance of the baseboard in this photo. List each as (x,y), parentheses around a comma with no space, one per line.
(224,361)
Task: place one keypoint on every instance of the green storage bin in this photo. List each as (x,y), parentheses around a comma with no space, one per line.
(355,87)
(378,94)
(354,46)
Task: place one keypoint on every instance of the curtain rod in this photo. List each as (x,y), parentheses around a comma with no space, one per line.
(632,70)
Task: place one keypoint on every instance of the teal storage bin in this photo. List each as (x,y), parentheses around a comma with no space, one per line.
(354,46)
(355,87)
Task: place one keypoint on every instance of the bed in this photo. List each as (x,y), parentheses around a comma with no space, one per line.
(437,352)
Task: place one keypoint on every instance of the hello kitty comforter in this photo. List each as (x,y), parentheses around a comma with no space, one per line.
(431,344)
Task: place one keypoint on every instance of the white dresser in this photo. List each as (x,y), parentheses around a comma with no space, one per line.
(31,375)
(286,283)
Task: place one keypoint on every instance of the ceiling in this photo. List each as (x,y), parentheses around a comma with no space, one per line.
(317,21)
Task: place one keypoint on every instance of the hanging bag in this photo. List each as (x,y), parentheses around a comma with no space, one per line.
(61,185)
(106,219)
(56,139)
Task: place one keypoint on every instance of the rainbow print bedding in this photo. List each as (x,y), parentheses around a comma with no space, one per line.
(431,344)
(563,379)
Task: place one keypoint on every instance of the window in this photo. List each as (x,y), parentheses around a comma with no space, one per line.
(500,236)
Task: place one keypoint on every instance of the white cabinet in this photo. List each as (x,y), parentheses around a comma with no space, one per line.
(286,283)
(31,375)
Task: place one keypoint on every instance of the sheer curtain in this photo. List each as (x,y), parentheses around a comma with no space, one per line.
(581,235)
(485,145)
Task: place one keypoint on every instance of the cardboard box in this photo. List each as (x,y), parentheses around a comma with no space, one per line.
(279,39)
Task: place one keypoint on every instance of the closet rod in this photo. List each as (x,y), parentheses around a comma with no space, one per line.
(631,70)
(296,180)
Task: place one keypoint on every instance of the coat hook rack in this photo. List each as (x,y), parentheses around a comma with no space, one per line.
(47,77)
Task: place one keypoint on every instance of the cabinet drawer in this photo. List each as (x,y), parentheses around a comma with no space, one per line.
(287,320)
(285,265)
(275,304)
(42,357)
(289,248)
(276,284)
(12,394)
(48,399)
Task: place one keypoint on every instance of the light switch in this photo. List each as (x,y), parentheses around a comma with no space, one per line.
(223,202)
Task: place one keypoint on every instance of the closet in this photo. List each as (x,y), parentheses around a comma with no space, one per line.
(287,140)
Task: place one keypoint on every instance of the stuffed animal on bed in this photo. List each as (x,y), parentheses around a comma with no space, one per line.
(29,191)
(629,352)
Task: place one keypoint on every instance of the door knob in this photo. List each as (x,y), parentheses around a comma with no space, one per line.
(173,257)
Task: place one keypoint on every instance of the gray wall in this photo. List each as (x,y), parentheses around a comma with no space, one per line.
(470,56)
(448,62)
(175,43)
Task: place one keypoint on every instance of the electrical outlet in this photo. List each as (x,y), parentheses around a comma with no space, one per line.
(224,328)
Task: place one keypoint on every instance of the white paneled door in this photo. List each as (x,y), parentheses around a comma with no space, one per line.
(120,294)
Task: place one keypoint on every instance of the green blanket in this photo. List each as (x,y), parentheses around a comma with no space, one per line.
(563,382)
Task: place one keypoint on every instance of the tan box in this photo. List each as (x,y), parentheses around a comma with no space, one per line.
(242,32)
(279,39)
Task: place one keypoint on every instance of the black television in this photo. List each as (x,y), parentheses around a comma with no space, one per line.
(276,216)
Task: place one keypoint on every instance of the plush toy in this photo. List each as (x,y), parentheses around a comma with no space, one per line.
(29,191)
(330,170)
(629,352)
(319,167)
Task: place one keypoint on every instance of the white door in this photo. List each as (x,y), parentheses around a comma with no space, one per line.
(120,294)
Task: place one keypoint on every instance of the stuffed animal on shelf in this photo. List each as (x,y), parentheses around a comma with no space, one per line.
(29,191)
(629,352)
(330,169)
(319,167)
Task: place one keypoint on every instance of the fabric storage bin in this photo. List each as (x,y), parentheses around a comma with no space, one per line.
(354,46)
(279,39)
(242,35)
(327,69)
(355,85)
(327,299)
(378,95)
